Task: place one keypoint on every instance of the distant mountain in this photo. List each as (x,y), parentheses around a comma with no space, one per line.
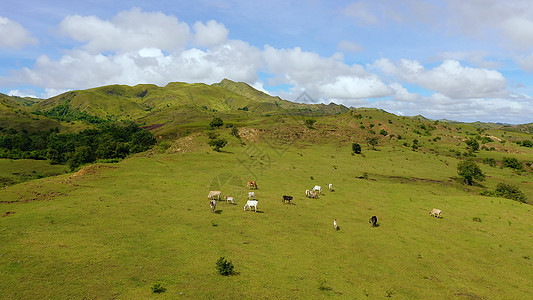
(14,114)
(175,104)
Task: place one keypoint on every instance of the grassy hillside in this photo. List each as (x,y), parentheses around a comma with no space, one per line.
(110,231)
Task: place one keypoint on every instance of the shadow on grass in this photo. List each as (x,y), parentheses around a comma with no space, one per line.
(218,211)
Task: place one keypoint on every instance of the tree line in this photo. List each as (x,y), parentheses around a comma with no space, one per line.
(110,140)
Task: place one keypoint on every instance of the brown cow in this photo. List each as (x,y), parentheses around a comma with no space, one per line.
(252,185)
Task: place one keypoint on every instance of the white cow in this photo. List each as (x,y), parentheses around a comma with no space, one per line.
(335,224)
(308,193)
(228,199)
(331,187)
(251,203)
(213,205)
(251,195)
(214,194)
(435,213)
(318,189)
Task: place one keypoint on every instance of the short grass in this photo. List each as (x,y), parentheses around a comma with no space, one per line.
(111,230)
(17,171)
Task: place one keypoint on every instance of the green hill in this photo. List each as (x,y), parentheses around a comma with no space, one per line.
(115,230)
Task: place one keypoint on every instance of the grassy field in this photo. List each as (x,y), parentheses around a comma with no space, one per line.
(112,230)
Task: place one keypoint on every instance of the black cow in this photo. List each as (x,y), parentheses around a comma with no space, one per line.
(287,198)
(374,221)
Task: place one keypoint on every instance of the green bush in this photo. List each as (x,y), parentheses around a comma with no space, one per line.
(511,162)
(510,192)
(158,288)
(356,148)
(216,122)
(489,161)
(309,123)
(224,267)
(217,144)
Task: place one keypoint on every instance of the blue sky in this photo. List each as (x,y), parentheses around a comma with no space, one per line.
(456,59)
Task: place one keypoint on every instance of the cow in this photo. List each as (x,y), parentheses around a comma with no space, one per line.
(287,198)
(251,203)
(214,194)
(251,195)
(318,189)
(308,193)
(313,194)
(374,221)
(335,224)
(213,205)
(331,187)
(228,199)
(435,213)
(252,185)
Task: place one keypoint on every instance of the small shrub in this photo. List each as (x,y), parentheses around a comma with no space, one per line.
(224,267)
(510,192)
(158,288)
(309,123)
(511,162)
(383,132)
(356,148)
(216,122)
(476,219)
(489,161)
(212,135)
(217,144)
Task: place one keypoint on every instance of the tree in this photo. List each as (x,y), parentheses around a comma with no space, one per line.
(217,144)
(468,170)
(372,141)
(216,122)
(383,132)
(309,123)
(472,145)
(356,148)
(82,155)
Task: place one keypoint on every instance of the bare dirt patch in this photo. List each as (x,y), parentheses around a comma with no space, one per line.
(9,213)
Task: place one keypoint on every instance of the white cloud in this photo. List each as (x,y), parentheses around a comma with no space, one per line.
(22,94)
(128,31)
(80,69)
(450,78)
(322,77)
(349,46)
(13,35)
(210,34)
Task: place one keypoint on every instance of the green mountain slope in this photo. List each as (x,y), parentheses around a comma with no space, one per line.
(15,115)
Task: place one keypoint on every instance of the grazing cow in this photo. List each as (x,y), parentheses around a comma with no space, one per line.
(331,187)
(287,198)
(318,189)
(213,205)
(435,213)
(251,203)
(252,185)
(313,194)
(214,194)
(308,193)
(335,224)
(374,221)
(228,199)
(251,195)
